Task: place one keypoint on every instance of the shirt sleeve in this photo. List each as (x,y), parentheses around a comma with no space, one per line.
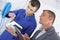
(15,12)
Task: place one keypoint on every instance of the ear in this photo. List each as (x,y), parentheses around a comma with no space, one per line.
(51,19)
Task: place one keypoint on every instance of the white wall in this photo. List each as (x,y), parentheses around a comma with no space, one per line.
(45,4)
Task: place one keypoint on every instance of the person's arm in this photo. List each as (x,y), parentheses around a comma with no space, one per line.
(17,33)
(12,14)
(21,36)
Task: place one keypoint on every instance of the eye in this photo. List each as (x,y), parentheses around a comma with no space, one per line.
(43,15)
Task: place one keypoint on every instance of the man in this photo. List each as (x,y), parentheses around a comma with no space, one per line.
(46,19)
(25,18)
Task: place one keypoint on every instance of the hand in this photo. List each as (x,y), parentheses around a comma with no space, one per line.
(26,36)
(21,36)
(12,15)
(10,30)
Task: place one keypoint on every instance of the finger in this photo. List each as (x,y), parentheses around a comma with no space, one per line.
(26,35)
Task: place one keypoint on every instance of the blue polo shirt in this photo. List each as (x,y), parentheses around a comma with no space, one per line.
(28,24)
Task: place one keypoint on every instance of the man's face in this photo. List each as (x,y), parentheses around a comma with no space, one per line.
(30,9)
(44,18)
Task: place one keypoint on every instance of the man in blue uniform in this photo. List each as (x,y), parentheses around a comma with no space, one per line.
(25,18)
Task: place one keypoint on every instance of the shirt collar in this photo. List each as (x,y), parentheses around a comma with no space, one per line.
(50,29)
(29,17)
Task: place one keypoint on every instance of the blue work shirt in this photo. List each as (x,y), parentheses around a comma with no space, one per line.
(28,24)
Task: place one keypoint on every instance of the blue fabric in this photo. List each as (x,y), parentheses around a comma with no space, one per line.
(7,36)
